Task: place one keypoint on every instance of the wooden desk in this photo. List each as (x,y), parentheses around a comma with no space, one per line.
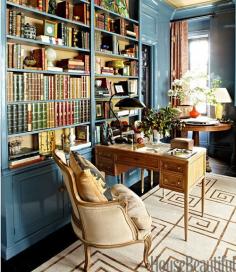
(176,173)
(197,129)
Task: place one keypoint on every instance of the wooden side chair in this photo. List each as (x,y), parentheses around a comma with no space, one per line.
(106,224)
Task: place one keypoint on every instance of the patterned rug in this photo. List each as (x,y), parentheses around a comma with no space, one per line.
(211,242)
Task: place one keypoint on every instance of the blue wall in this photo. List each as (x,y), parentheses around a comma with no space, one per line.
(155,24)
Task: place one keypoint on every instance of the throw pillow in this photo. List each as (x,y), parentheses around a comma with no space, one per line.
(95,190)
(136,208)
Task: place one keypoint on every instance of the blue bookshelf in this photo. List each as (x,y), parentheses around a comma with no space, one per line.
(22,223)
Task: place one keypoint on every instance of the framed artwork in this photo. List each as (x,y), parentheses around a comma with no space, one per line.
(99,111)
(119,89)
(122,8)
(50,28)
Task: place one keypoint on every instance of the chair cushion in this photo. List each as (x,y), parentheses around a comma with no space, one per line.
(90,182)
(136,208)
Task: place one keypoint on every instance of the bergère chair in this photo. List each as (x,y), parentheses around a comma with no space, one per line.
(101,225)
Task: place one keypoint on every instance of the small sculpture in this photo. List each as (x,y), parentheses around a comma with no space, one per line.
(52,5)
(51,56)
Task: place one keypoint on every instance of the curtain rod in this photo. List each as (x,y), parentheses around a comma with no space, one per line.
(194,17)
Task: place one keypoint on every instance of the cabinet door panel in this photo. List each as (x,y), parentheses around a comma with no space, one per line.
(37,201)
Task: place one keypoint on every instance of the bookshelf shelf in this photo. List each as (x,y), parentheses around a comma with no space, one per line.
(36,42)
(115,34)
(46,72)
(35,13)
(115,76)
(117,15)
(114,56)
(47,129)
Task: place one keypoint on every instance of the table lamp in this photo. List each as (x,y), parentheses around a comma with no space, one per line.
(128,103)
(221,96)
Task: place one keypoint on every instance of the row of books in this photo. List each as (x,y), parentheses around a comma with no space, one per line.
(36,116)
(78,12)
(15,23)
(31,86)
(73,37)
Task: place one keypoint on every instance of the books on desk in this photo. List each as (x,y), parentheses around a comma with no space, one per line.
(201,121)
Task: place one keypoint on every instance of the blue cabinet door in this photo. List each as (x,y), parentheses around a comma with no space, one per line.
(37,200)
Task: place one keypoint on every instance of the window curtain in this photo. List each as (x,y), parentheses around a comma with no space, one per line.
(179,49)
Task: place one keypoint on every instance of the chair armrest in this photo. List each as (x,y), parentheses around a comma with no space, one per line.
(107,223)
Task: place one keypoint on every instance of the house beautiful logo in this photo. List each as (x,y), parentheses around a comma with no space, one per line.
(217,264)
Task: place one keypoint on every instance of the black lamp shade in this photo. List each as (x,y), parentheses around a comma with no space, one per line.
(130,103)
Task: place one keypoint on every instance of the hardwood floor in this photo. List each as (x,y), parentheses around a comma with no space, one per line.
(56,242)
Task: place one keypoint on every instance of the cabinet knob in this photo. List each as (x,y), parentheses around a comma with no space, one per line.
(165,166)
(179,168)
(61,189)
(166,180)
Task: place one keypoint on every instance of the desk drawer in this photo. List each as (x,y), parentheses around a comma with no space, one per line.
(172,166)
(171,180)
(139,160)
(106,165)
(104,154)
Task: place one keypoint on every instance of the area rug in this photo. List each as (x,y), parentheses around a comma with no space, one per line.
(211,244)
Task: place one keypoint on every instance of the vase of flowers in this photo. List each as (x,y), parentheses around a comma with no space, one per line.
(193,88)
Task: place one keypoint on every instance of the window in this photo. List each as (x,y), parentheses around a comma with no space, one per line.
(199,60)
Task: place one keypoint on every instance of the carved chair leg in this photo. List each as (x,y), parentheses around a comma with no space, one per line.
(147,247)
(87,257)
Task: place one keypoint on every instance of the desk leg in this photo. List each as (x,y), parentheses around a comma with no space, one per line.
(122,178)
(195,138)
(203,195)
(151,178)
(142,181)
(186,216)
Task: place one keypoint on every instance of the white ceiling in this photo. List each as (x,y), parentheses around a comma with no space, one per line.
(188,3)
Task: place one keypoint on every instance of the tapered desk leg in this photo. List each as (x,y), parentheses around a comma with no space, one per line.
(203,195)
(122,178)
(151,178)
(186,216)
(142,181)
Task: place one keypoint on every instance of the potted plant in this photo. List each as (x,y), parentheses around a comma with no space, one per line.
(165,121)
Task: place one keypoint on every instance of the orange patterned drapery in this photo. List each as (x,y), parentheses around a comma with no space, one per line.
(179,49)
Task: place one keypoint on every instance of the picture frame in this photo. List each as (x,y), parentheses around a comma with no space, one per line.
(50,28)
(99,111)
(119,89)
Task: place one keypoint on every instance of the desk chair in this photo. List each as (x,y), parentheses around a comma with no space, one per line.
(114,227)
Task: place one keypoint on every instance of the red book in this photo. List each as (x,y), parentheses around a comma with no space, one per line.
(62,9)
(80,11)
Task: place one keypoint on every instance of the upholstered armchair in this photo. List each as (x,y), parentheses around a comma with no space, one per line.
(104,224)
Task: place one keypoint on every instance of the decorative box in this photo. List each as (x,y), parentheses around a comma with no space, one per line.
(182,143)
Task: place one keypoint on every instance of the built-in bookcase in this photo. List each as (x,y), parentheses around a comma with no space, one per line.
(48,78)
(51,66)
(63,65)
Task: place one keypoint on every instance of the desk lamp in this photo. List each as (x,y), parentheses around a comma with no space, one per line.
(221,96)
(127,103)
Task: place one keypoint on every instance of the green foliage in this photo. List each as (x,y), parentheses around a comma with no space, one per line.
(164,121)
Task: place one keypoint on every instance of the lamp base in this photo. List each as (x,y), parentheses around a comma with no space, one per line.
(218,111)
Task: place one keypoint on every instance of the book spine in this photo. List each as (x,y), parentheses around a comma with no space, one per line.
(34,116)
(29,117)
(14,119)
(20,118)
(10,119)
(25,117)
